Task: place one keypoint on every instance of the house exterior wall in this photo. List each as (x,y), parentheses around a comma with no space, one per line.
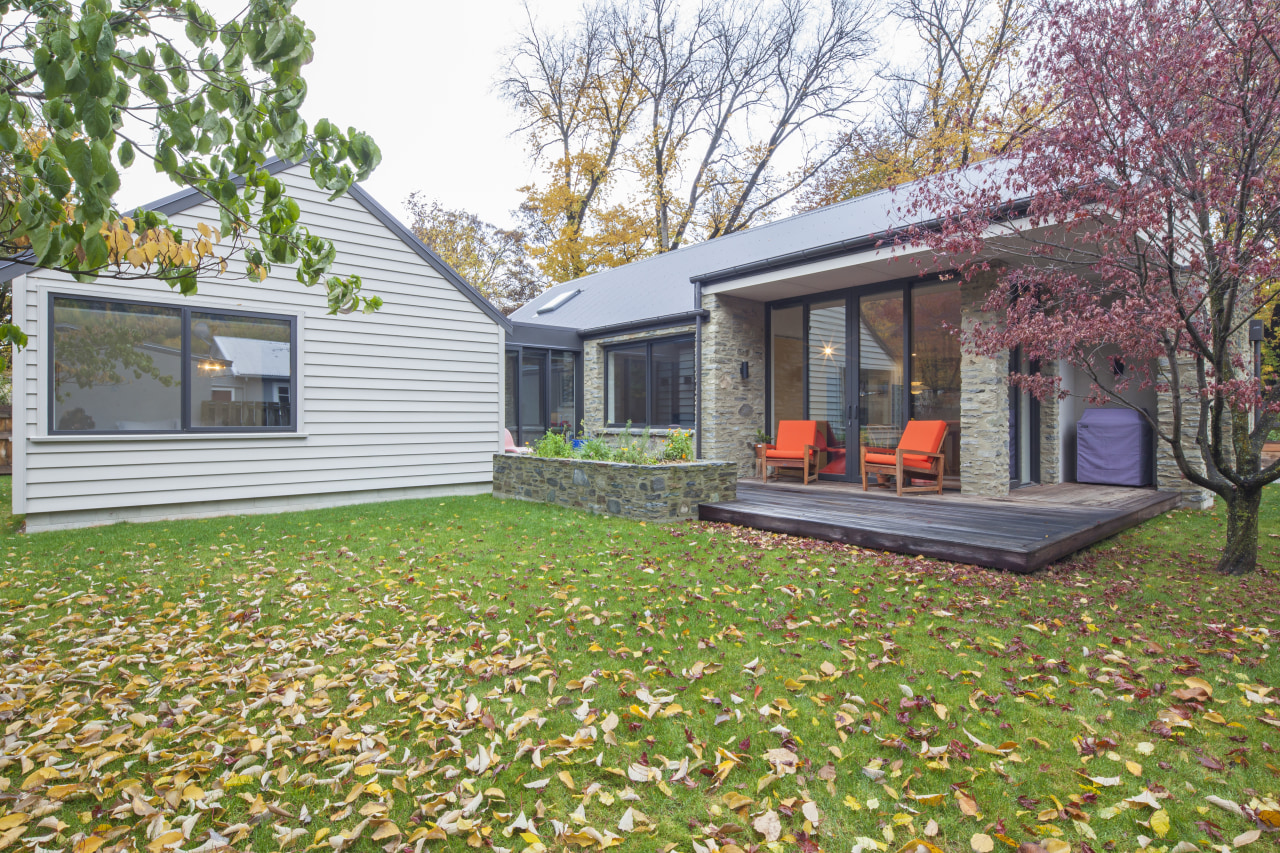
(733,408)
(984,401)
(403,402)
(1169,477)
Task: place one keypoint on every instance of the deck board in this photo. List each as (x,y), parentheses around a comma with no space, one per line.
(1023,532)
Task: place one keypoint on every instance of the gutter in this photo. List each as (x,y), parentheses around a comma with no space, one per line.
(648,323)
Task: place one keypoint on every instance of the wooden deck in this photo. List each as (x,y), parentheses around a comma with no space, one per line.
(1023,532)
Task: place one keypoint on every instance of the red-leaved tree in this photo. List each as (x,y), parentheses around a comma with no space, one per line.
(1143,218)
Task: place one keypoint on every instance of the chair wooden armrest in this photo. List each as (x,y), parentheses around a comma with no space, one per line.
(931,455)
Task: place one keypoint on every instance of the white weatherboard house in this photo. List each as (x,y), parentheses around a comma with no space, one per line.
(132,402)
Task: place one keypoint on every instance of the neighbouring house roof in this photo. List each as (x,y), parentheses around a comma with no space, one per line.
(188,198)
(662,286)
(255,357)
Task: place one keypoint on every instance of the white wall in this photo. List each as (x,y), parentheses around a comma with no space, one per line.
(1069,411)
(404,401)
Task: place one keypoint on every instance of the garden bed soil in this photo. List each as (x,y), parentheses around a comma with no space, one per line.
(660,493)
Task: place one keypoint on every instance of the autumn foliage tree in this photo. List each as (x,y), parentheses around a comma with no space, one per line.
(1147,217)
(101,84)
(495,260)
(959,96)
(656,125)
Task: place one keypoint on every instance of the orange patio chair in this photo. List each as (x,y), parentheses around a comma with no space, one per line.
(799,445)
(918,456)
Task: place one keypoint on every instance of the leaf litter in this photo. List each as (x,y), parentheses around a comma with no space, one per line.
(698,687)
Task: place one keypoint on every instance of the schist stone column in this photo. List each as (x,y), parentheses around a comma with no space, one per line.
(984,401)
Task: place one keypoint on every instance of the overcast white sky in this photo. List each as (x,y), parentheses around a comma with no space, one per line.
(418,77)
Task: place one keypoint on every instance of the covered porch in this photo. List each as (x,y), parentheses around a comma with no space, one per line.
(1022,531)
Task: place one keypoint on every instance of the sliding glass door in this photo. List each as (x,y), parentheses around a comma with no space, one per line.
(828,375)
(891,350)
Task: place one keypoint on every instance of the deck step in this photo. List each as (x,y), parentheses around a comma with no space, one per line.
(1017,534)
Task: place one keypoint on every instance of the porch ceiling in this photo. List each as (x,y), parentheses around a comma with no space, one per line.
(864,268)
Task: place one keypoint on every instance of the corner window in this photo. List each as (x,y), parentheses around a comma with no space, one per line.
(131,367)
(651,384)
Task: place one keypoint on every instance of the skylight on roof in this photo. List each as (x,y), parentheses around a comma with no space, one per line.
(557,302)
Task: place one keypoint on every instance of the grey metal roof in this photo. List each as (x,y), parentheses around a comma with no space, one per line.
(663,285)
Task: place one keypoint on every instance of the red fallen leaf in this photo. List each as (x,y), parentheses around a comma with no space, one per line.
(1212,763)
(807,844)
(1210,829)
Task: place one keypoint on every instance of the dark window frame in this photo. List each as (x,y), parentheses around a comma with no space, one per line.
(185,313)
(649,374)
(545,352)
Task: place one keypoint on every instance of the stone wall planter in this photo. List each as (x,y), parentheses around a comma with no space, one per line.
(644,492)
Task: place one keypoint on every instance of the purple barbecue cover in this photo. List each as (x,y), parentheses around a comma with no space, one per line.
(1113,447)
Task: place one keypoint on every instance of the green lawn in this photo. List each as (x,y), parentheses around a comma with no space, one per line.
(432,675)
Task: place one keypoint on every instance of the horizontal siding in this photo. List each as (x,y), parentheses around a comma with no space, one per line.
(405,397)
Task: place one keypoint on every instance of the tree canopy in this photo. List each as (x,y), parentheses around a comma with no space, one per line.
(960,96)
(89,88)
(656,125)
(1151,225)
(495,260)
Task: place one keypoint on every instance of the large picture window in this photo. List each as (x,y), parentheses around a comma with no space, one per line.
(651,383)
(131,367)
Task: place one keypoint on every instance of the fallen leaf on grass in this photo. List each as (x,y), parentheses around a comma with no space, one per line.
(768,825)
(982,843)
(1246,838)
(1160,822)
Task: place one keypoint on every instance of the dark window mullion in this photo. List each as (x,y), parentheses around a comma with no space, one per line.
(650,385)
(185,372)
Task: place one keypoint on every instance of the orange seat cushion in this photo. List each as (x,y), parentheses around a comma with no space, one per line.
(784,454)
(923,435)
(908,460)
(794,435)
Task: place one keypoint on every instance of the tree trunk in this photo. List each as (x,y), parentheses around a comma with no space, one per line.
(1240,554)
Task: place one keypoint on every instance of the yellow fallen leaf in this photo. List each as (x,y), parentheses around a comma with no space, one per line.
(1215,717)
(915,843)
(1200,683)
(9,821)
(1133,767)
(62,792)
(386,829)
(1160,822)
(169,839)
(1055,845)
(40,777)
(88,844)
(564,777)
(982,843)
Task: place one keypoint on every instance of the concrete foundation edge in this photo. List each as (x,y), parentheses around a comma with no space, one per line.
(45,521)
